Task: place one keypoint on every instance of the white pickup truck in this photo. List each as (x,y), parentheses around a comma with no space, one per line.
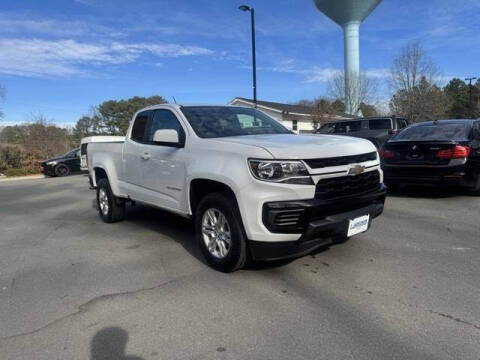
(254,189)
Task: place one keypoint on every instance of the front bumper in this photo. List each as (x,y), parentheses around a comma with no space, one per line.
(320,223)
(47,170)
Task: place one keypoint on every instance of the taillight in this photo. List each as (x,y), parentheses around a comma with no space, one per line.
(387,154)
(457,152)
(392,132)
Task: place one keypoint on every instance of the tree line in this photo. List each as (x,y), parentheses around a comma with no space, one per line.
(416,87)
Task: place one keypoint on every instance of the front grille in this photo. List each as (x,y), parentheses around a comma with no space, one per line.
(347,185)
(342,160)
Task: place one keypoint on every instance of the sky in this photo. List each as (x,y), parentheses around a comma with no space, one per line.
(59,58)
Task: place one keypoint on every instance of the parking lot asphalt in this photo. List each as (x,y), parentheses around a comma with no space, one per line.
(72,287)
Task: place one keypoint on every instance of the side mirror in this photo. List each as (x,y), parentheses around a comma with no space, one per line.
(167,137)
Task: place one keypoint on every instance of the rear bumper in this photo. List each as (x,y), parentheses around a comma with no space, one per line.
(321,222)
(445,175)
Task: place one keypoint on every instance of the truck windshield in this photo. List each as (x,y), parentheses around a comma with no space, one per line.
(223,121)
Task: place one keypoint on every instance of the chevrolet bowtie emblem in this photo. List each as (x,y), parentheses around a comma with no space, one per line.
(356,170)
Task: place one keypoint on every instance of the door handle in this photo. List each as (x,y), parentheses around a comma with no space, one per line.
(146,156)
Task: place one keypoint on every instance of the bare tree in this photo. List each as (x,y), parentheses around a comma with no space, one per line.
(322,112)
(414,81)
(361,89)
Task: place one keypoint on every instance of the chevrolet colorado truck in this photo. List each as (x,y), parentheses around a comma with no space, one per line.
(255,190)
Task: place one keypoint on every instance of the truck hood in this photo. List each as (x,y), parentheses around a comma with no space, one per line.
(291,146)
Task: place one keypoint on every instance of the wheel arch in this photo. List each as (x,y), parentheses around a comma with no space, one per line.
(200,187)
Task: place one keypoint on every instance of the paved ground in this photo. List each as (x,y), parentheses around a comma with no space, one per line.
(72,287)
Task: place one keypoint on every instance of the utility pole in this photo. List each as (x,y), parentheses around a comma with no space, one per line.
(470,79)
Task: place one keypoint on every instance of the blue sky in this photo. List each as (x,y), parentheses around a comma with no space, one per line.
(59,58)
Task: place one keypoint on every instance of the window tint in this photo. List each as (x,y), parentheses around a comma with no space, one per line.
(434,132)
(164,119)
(327,129)
(139,126)
(348,126)
(380,124)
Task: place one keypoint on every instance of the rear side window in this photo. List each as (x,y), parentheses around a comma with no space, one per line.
(139,126)
(164,119)
(380,124)
(348,126)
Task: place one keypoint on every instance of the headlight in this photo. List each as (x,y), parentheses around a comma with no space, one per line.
(291,172)
(51,163)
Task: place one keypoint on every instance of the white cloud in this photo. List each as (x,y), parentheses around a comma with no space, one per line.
(35,57)
(317,74)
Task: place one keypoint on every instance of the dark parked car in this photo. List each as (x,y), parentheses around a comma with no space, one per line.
(434,152)
(376,129)
(63,165)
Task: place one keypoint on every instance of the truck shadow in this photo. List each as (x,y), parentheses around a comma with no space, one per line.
(176,227)
(182,230)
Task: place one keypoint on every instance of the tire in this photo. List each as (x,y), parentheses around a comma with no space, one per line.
(228,244)
(62,170)
(110,208)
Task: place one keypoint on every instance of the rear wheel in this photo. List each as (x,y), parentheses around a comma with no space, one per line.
(110,208)
(220,233)
(62,170)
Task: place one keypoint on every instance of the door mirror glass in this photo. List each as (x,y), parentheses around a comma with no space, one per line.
(167,137)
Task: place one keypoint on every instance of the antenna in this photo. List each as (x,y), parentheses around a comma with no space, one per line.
(174,100)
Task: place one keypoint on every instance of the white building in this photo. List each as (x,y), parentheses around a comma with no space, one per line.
(295,117)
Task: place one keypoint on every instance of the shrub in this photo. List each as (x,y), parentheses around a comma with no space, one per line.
(14,161)
(10,157)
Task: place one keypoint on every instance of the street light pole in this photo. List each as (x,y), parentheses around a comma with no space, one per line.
(254,60)
(470,79)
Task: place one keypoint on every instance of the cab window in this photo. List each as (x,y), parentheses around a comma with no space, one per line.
(380,124)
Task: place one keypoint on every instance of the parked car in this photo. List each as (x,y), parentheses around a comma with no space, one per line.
(252,187)
(435,152)
(376,129)
(63,165)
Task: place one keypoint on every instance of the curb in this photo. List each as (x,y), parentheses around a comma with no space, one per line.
(28,177)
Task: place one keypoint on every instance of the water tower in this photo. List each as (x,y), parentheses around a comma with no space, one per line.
(349,14)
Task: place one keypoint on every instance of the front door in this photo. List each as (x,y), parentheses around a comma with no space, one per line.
(164,171)
(133,158)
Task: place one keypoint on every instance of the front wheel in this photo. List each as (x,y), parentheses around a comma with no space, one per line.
(110,208)
(220,233)
(62,170)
